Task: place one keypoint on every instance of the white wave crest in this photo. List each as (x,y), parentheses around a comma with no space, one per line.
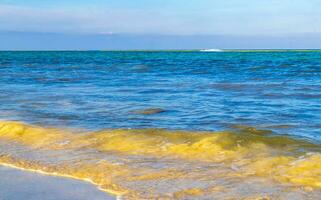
(211,50)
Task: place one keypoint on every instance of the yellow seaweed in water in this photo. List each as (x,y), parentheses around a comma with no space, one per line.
(242,154)
(28,134)
(194,192)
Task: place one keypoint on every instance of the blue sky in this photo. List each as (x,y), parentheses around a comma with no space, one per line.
(266,18)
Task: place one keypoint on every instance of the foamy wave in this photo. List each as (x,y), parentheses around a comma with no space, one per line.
(211,50)
(143,163)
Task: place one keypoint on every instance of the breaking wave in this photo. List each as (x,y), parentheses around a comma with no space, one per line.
(142,163)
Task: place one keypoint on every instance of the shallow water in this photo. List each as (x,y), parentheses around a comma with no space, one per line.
(245,120)
(199,91)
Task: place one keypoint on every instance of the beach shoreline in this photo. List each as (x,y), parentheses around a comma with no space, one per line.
(24,184)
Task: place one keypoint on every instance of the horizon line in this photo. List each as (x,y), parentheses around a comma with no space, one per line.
(173,50)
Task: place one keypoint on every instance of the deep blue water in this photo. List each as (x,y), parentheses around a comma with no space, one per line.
(279,91)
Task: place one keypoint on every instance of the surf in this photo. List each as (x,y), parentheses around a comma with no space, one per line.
(141,163)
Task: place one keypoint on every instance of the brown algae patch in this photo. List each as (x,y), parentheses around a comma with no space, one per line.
(149,111)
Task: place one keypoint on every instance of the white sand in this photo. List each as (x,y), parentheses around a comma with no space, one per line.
(22,185)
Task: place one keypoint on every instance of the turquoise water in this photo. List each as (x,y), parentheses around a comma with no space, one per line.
(278,91)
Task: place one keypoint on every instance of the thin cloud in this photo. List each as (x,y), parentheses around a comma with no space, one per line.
(18,18)
(223,18)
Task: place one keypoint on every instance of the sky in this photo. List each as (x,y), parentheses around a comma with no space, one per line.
(149,21)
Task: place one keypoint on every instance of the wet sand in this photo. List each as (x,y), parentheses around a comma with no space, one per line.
(17,184)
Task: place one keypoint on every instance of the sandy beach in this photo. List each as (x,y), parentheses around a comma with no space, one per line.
(17,184)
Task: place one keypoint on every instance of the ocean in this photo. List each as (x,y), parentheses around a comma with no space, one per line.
(167,124)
